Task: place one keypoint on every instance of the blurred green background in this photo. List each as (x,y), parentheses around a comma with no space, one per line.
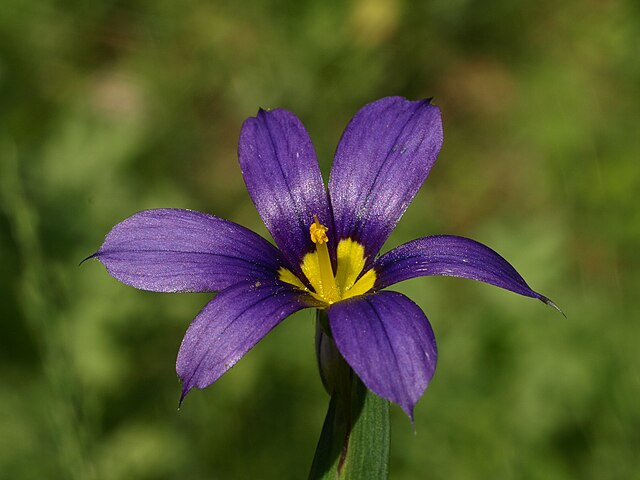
(111,107)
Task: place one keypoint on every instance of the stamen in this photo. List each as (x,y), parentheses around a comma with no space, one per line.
(318,234)
(318,231)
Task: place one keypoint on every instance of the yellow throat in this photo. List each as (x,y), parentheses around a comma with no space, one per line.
(316,266)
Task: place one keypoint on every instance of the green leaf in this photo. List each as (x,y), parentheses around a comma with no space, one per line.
(354,443)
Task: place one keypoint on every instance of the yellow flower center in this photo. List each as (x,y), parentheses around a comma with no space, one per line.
(316,266)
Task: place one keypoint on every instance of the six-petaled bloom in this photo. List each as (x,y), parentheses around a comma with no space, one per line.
(328,244)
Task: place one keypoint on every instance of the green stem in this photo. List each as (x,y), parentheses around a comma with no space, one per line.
(354,443)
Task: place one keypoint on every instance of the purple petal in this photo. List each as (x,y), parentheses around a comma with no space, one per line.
(229,326)
(389,343)
(384,156)
(451,256)
(280,169)
(171,250)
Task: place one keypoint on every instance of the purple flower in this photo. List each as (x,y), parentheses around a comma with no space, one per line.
(328,242)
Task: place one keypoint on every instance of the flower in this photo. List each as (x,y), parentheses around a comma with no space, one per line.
(328,243)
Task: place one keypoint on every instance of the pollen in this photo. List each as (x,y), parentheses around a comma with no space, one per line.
(318,232)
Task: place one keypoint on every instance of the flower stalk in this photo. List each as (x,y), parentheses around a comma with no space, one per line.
(354,442)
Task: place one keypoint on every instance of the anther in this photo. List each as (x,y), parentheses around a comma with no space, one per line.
(318,232)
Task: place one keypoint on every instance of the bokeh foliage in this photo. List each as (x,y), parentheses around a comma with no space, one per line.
(110,107)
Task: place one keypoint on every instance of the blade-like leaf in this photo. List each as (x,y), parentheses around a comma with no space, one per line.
(354,443)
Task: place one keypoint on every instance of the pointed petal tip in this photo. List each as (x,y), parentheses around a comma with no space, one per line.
(409,410)
(94,255)
(264,111)
(552,304)
(185,391)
